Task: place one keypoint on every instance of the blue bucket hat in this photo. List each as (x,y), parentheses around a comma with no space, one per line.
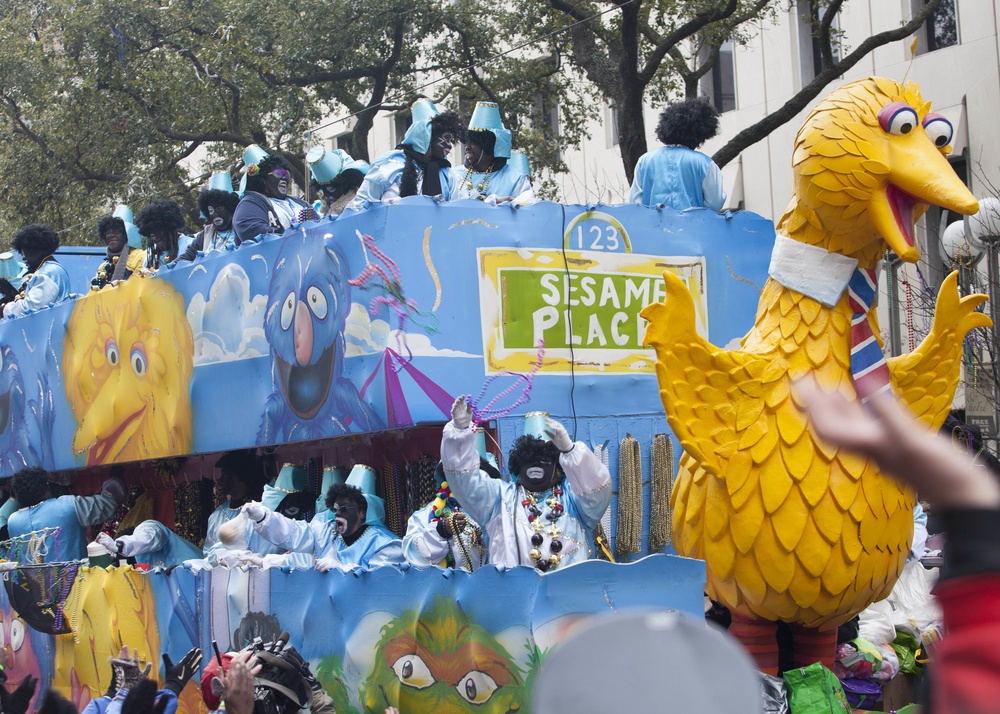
(520,162)
(418,136)
(486,117)
(131,230)
(363,478)
(221,181)
(325,165)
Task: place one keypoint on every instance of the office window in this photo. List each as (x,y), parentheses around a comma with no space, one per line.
(613,133)
(724,79)
(942,26)
(345,142)
(811,14)
(400,123)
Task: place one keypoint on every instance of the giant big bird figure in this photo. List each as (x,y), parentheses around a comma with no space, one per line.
(127,364)
(792,529)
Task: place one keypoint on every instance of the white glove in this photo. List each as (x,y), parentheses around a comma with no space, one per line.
(324,565)
(255,511)
(229,558)
(109,543)
(461,414)
(248,557)
(560,437)
(114,488)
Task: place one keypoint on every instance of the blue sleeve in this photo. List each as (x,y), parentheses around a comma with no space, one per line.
(635,194)
(250,221)
(712,187)
(92,510)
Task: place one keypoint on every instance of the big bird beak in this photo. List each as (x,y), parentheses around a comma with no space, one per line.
(111,421)
(919,175)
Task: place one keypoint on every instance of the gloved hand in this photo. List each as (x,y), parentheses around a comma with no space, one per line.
(229,558)
(114,488)
(560,437)
(255,511)
(248,557)
(111,545)
(17,702)
(177,675)
(142,699)
(325,565)
(461,414)
(126,669)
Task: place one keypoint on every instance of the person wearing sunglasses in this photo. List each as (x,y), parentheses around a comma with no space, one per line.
(266,206)
(345,541)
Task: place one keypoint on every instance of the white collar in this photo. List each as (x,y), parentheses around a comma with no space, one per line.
(813,271)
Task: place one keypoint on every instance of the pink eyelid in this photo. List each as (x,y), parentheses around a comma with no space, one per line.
(889,111)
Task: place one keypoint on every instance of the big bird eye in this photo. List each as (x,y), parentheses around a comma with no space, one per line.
(111,352)
(3,634)
(138,360)
(411,671)
(938,129)
(16,634)
(898,118)
(476,687)
(316,301)
(287,311)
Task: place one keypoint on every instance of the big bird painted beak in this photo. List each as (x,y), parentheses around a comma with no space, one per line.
(919,174)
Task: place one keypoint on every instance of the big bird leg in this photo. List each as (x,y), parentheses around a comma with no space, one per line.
(810,645)
(758,637)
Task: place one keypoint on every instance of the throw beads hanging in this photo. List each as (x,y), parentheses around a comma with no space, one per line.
(628,539)
(661,485)
(538,521)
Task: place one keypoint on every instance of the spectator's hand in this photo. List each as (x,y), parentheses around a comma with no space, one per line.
(52,703)
(461,414)
(237,687)
(391,710)
(142,699)
(255,511)
(127,669)
(905,449)
(177,675)
(18,701)
(560,437)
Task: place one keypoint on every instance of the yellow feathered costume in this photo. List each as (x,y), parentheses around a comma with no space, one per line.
(790,528)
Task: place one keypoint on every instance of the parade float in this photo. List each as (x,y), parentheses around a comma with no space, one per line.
(346,341)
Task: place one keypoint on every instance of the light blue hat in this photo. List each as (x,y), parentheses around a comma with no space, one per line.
(418,136)
(291,479)
(221,181)
(332,475)
(253,154)
(520,162)
(363,478)
(359,165)
(325,165)
(10,266)
(131,230)
(534,425)
(486,117)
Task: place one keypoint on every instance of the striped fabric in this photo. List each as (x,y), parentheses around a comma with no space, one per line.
(868,366)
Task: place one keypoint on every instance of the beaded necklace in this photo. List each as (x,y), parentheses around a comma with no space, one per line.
(445,507)
(29,276)
(555,511)
(483,185)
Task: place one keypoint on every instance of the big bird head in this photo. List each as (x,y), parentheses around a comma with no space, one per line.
(127,364)
(868,161)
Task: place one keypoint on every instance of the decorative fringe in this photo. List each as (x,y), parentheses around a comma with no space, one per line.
(421,484)
(394,498)
(188,511)
(628,539)
(661,460)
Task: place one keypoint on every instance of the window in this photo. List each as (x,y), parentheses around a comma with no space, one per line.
(613,133)
(811,15)
(345,142)
(942,26)
(724,79)
(400,123)
(545,117)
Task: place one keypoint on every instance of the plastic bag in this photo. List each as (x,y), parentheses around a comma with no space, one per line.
(906,646)
(860,659)
(861,693)
(914,608)
(815,690)
(876,623)
(774,698)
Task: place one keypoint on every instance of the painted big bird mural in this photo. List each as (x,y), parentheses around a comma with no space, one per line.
(792,529)
(127,365)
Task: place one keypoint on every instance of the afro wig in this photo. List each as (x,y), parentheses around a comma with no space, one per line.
(110,223)
(448,123)
(216,197)
(528,450)
(689,123)
(256,182)
(30,486)
(36,238)
(159,216)
(342,493)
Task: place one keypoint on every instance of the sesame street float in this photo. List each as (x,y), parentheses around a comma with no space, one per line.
(348,341)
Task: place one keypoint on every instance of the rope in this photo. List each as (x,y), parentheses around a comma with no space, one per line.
(628,539)
(661,464)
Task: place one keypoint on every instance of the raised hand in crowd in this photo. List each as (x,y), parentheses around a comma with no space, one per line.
(142,699)
(18,701)
(177,675)
(237,684)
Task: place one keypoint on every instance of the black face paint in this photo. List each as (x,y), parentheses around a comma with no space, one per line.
(539,476)
(347,519)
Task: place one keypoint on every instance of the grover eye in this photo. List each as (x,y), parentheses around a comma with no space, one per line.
(16,634)
(316,301)
(411,671)
(287,311)
(111,352)
(476,687)
(138,359)
(938,129)
(898,118)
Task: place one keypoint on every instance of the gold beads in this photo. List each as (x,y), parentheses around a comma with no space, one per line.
(535,554)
